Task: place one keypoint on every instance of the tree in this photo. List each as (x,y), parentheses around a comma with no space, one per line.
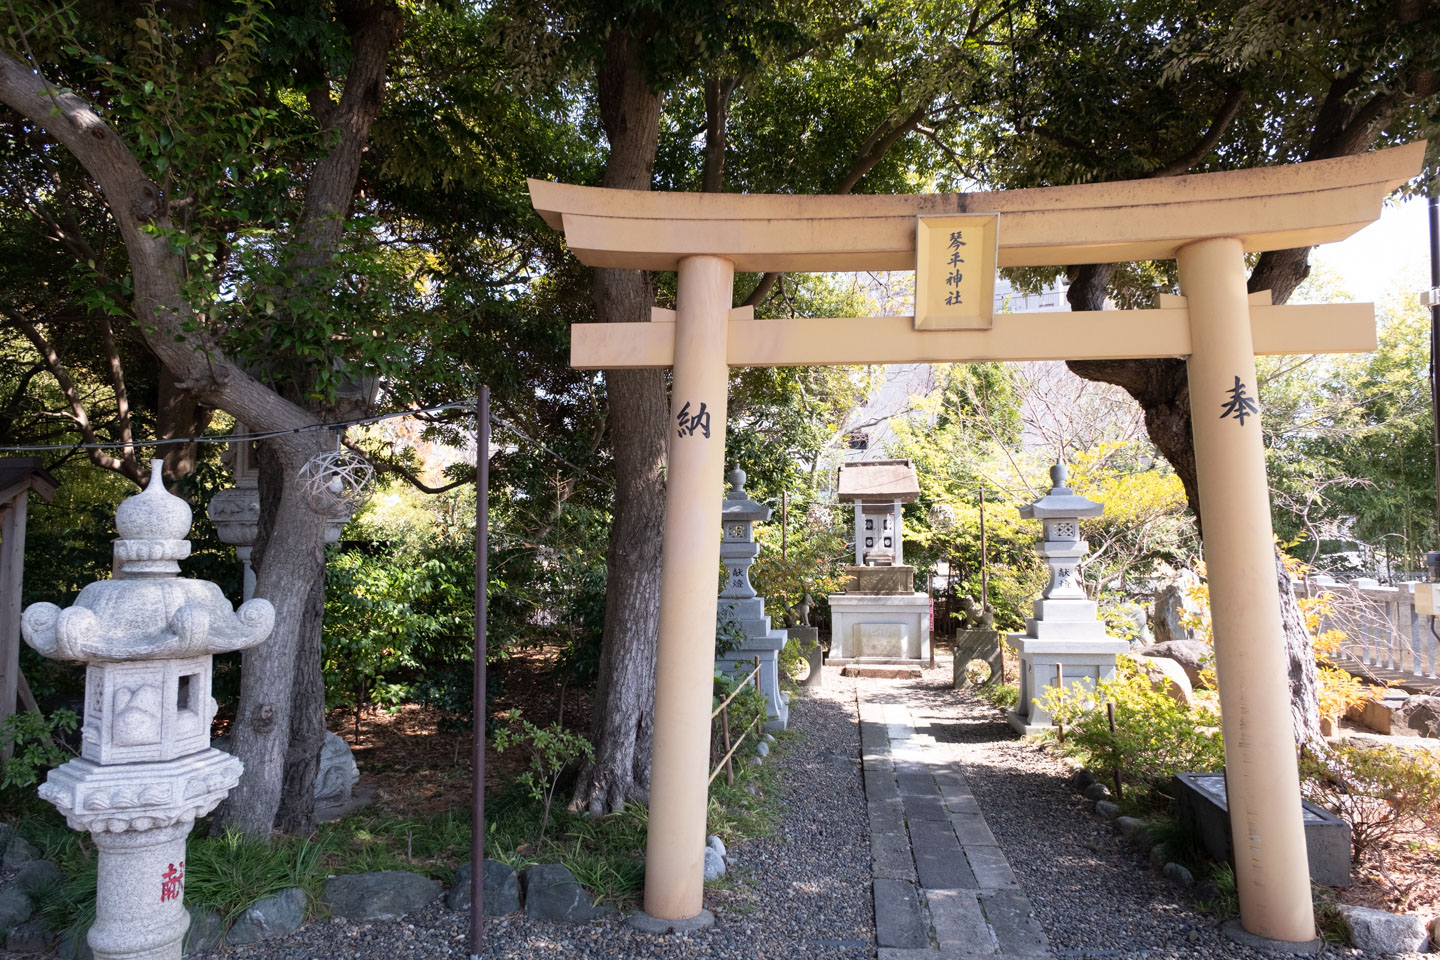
(1114,96)
(249,307)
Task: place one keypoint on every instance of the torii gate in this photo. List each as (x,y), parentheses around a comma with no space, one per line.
(1207,222)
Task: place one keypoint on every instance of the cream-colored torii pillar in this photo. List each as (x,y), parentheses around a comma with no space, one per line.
(1261,776)
(694,490)
(1207,222)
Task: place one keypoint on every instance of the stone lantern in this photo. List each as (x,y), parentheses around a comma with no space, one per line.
(739,605)
(1064,642)
(146,769)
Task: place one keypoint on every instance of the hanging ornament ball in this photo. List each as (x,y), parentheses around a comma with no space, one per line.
(336,484)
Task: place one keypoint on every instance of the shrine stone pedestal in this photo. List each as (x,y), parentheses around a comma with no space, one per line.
(146,770)
(1064,643)
(880,617)
(739,605)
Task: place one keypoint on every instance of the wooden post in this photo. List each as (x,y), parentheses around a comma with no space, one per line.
(12,559)
(1272,875)
(685,656)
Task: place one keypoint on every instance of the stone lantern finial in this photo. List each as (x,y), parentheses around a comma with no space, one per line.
(153,526)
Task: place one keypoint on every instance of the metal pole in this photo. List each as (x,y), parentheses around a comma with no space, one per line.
(784,525)
(984,559)
(1434,211)
(482,579)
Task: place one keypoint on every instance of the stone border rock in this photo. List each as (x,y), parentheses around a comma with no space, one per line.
(1373,931)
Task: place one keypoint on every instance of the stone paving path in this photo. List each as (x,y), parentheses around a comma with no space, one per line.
(942,886)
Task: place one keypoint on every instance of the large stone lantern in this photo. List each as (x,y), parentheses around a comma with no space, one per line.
(146,769)
(741,607)
(1064,642)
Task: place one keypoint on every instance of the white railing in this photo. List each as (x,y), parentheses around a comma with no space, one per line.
(1381,626)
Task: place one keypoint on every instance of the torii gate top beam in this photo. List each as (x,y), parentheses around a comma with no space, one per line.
(1267,208)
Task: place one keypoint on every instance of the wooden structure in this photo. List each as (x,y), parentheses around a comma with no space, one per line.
(19,477)
(1207,222)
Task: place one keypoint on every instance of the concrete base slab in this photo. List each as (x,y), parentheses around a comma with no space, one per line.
(642,921)
(1232,929)
(1023,726)
(875,671)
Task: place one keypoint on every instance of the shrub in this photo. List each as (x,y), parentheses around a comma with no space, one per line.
(1154,738)
(1384,794)
(38,743)
(552,750)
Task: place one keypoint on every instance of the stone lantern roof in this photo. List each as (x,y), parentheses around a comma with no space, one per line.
(147,612)
(738,507)
(1061,501)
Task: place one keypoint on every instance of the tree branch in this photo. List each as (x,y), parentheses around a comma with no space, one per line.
(125,466)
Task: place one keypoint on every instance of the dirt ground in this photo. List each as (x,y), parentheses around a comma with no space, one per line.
(421,765)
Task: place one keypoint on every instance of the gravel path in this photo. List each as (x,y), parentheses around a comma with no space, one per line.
(1094,895)
(802,892)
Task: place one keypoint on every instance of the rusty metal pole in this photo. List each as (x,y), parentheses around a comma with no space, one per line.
(482,579)
(984,559)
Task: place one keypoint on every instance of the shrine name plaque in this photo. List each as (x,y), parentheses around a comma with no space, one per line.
(955,260)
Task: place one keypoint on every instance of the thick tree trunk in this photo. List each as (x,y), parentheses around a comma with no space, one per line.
(1162,389)
(289,556)
(307,720)
(625,692)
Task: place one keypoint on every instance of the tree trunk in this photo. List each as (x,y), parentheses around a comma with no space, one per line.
(289,556)
(307,720)
(624,702)
(1162,389)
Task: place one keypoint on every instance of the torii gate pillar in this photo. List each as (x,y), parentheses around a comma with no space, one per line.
(684,661)
(1271,865)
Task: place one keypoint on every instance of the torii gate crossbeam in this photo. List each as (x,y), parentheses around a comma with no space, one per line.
(1207,222)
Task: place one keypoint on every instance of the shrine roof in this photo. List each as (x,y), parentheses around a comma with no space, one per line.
(22,474)
(1268,208)
(878,481)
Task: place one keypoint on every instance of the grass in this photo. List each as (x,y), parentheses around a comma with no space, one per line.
(228,873)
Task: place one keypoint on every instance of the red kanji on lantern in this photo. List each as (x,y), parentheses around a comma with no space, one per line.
(172,883)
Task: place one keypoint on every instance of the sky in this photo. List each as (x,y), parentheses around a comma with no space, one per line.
(1392,252)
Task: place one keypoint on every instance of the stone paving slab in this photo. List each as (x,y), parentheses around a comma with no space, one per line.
(959,923)
(886,816)
(991,868)
(972,830)
(890,857)
(942,887)
(1013,922)
(899,919)
(940,862)
(925,808)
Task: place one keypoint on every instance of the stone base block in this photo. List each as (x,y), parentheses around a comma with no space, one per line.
(1076,661)
(1327,838)
(903,623)
(887,581)
(767,649)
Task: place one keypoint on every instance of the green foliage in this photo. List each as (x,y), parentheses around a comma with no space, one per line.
(230,872)
(553,750)
(1348,439)
(1002,695)
(1386,795)
(729,636)
(1155,736)
(38,744)
(748,710)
